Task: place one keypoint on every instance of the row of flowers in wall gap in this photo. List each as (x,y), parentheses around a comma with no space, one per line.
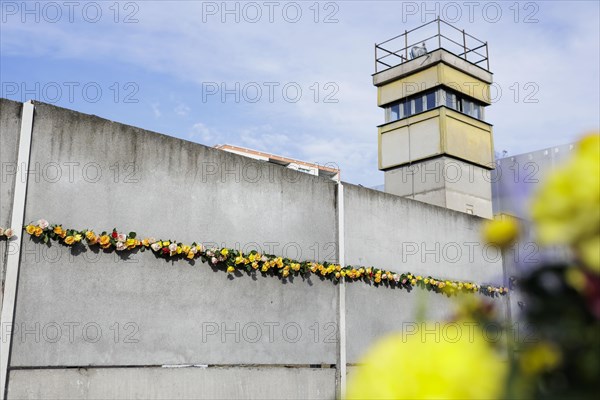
(6,233)
(233,261)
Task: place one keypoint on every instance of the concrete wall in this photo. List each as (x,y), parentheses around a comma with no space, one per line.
(10,125)
(90,324)
(170,383)
(403,235)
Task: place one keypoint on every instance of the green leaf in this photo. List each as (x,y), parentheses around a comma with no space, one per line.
(132,235)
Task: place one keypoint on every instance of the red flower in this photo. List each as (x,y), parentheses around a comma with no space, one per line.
(165,250)
(115,234)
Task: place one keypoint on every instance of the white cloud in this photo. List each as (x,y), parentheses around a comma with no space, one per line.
(205,135)
(559,54)
(156,110)
(181,109)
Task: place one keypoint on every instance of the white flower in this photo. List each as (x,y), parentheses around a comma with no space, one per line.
(42,223)
(121,246)
(8,233)
(122,237)
(173,247)
(151,240)
(263,258)
(396,277)
(213,260)
(1,231)
(193,250)
(156,246)
(210,253)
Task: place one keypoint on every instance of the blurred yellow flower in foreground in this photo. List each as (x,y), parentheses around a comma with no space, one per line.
(566,210)
(433,362)
(502,231)
(539,358)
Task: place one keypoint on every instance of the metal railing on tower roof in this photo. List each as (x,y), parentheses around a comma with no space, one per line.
(437,34)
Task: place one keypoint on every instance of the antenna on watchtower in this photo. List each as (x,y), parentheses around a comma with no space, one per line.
(418,51)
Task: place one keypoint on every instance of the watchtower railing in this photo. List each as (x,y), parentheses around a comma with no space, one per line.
(436,34)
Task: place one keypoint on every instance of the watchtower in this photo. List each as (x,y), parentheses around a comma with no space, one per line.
(435,145)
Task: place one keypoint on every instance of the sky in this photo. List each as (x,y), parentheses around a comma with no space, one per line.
(293,78)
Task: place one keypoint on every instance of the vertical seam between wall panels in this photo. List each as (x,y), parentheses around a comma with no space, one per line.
(13,259)
(341,291)
(4,254)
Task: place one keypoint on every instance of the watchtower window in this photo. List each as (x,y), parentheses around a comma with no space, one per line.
(431,99)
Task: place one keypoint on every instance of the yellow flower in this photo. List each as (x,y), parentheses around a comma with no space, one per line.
(58,230)
(105,241)
(38,231)
(565,210)
(185,249)
(264,268)
(576,279)
(179,250)
(130,243)
(589,251)
(166,243)
(239,259)
(30,229)
(90,236)
(501,232)
(426,281)
(337,275)
(539,358)
(145,242)
(422,365)
(413,281)
(69,240)
(230,269)
(255,265)
(190,255)
(77,237)
(224,252)
(286,273)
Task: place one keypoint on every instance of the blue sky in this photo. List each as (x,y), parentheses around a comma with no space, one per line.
(293,78)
